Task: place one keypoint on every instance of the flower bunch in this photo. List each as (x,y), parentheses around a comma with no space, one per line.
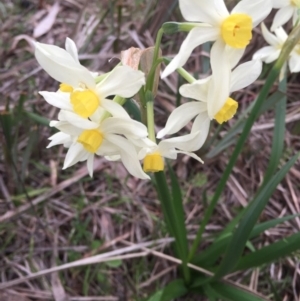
(91,122)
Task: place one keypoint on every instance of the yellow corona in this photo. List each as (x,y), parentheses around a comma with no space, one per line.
(84,102)
(91,140)
(227,111)
(236,30)
(153,162)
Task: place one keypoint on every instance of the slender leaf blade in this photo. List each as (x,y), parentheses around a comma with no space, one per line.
(208,257)
(251,215)
(231,293)
(284,247)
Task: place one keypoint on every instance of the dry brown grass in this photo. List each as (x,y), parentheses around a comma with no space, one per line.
(50,217)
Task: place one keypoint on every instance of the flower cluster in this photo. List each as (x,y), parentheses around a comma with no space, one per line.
(92,120)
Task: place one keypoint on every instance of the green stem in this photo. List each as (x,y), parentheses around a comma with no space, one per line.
(189,78)
(143,107)
(186,75)
(150,79)
(150,119)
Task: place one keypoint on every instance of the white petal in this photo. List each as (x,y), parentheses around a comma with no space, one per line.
(113,125)
(257,9)
(197,36)
(60,65)
(196,90)
(113,158)
(123,81)
(59,100)
(90,164)
(66,127)
(270,38)
(265,52)
(295,17)
(200,11)
(281,35)
(98,115)
(72,49)
(114,108)
(192,155)
(234,55)
(107,149)
(181,116)
(59,138)
(221,8)
(282,16)
(294,62)
(74,154)
(281,3)
(76,120)
(272,57)
(245,74)
(201,123)
(189,143)
(129,156)
(218,91)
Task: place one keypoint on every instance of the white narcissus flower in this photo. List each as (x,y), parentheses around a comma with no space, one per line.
(79,92)
(153,154)
(233,29)
(288,9)
(212,94)
(86,138)
(271,53)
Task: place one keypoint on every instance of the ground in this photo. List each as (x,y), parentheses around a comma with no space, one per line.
(50,217)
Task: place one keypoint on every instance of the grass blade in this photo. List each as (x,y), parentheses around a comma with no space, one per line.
(283,57)
(174,215)
(251,215)
(231,293)
(270,253)
(209,256)
(179,220)
(278,134)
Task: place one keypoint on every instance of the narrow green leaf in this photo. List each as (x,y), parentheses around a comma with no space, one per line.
(37,118)
(212,294)
(6,122)
(174,218)
(284,247)
(178,215)
(278,133)
(164,197)
(133,110)
(231,293)
(156,296)
(209,256)
(251,215)
(31,144)
(174,289)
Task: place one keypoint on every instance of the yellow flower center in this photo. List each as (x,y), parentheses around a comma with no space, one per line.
(84,102)
(236,30)
(295,3)
(91,140)
(227,111)
(65,88)
(153,162)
